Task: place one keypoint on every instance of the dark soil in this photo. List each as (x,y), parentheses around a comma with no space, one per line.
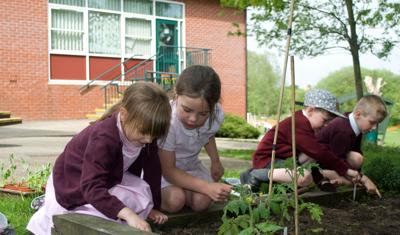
(363,217)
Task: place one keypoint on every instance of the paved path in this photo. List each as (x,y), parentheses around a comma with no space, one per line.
(40,142)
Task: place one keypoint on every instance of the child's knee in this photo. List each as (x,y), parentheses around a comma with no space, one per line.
(200,202)
(304,180)
(355,160)
(174,200)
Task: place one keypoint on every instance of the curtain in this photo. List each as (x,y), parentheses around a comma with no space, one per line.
(104,33)
(138,36)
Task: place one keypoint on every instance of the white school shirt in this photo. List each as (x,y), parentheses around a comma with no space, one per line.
(187,144)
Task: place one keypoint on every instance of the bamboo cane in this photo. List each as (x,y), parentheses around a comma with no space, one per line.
(289,36)
(296,207)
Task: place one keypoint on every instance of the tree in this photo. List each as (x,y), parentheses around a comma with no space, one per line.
(324,26)
(261,76)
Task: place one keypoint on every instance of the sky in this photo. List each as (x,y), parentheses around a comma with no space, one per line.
(310,71)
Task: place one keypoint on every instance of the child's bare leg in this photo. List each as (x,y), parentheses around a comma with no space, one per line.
(197,201)
(355,159)
(172,198)
(283,175)
(335,178)
(304,159)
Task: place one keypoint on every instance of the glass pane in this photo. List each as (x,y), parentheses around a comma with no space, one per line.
(64,40)
(79,3)
(104,33)
(136,46)
(114,5)
(139,6)
(138,28)
(169,10)
(64,19)
(66,30)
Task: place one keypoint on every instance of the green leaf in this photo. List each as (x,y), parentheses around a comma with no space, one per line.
(268,227)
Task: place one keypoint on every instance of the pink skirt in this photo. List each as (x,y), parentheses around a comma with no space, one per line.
(133,192)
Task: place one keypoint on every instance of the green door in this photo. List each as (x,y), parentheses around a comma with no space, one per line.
(167,46)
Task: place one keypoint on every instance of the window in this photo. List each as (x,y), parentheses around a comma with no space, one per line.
(66,30)
(169,10)
(113,5)
(79,3)
(137,36)
(104,33)
(139,6)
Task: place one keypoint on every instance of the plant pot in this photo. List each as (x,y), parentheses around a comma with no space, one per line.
(17,189)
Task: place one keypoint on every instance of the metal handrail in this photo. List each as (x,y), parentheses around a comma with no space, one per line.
(87,85)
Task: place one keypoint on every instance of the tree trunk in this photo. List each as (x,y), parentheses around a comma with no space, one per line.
(354,50)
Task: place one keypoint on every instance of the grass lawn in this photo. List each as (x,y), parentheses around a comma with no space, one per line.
(17,210)
(392,138)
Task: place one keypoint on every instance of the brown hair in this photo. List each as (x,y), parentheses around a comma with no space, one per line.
(200,81)
(148,109)
(372,105)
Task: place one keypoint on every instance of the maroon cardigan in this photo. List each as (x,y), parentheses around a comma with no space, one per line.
(306,142)
(92,163)
(340,137)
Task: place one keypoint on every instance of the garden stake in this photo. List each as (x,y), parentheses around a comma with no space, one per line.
(296,203)
(289,35)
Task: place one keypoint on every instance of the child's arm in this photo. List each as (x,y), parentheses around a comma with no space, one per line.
(178,177)
(370,186)
(217,170)
(133,220)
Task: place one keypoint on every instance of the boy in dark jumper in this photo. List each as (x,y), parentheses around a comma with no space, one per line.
(344,135)
(320,108)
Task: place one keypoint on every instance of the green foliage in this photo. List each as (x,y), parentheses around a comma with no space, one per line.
(382,165)
(341,82)
(17,210)
(323,26)
(237,127)
(256,213)
(7,172)
(34,179)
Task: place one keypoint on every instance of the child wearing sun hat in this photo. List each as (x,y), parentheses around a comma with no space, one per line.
(320,106)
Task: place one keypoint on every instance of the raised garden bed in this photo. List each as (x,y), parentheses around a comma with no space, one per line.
(366,215)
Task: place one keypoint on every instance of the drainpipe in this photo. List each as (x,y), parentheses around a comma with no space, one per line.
(246,63)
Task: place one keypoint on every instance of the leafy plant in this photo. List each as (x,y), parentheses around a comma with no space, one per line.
(255,213)
(7,172)
(34,179)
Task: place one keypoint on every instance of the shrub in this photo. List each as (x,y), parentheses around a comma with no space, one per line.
(237,127)
(382,165)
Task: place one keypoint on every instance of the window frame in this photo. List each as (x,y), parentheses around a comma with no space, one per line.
(123,54)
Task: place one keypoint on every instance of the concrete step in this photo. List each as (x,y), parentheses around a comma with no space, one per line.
(10,121)
(93,116)
(5,114)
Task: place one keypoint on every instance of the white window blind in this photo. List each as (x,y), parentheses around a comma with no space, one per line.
(66,30)
(137,36)
(139,6)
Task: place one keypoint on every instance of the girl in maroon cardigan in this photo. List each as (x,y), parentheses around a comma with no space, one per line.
(111,169)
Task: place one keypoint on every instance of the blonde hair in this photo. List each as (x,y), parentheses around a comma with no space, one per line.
(372,105)
(148,109)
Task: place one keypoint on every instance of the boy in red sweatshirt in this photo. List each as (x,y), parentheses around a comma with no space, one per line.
(320,106)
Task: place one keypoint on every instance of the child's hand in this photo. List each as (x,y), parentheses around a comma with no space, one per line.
(370,186)
(217,170)
(353,175)
(219,191)
(133,220)
(157,216)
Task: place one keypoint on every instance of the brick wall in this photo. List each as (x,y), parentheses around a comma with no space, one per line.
(24,87)
(207,26)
